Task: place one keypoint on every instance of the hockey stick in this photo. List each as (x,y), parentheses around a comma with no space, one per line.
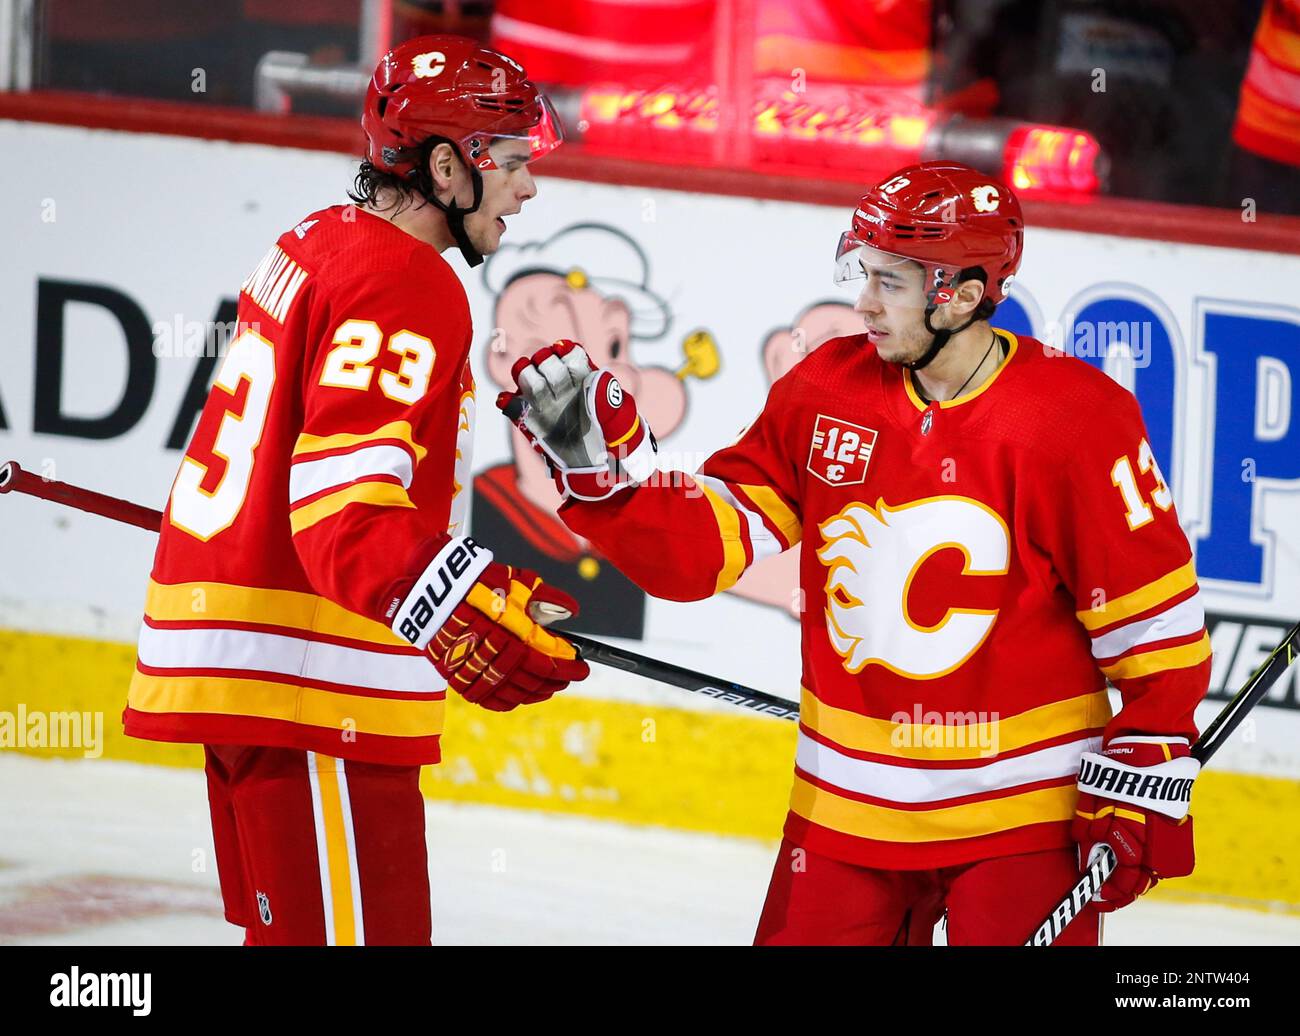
(14,479)
(1206,745)
(687,679)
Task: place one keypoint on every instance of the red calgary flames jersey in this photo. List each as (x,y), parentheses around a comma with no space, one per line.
(973,571)
(330,455)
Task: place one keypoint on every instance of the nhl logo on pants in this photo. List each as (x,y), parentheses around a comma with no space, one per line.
(264,907)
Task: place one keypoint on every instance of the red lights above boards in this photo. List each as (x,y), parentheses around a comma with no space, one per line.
(1052,158)
(844,132)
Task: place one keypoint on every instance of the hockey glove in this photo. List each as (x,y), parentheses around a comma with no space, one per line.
(1134,796)
(483,624)
(579,418)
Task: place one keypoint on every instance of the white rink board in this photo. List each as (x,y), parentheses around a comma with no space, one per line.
(175,224)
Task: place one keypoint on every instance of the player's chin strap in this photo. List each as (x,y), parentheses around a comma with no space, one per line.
(456,219)
(454,213)
(940,339)
(940,334)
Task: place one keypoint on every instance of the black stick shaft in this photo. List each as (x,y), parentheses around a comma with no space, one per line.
(1218,732)
(13,477)
(1246,699)
(687,679)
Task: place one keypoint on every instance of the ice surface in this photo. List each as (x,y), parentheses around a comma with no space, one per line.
(98,852)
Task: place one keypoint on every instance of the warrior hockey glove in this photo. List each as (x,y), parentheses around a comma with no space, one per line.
(1134,796)
(579,418)
(483,625)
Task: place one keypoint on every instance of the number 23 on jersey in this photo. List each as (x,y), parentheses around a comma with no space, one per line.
(348,365)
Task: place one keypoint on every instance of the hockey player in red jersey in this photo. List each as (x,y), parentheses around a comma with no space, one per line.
(312,596)
(987,538)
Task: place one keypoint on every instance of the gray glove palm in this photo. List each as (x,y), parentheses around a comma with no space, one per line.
(555,409)
(580,419)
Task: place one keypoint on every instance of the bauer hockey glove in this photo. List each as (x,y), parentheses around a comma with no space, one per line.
(579,418)
(1134,796)
(483,624)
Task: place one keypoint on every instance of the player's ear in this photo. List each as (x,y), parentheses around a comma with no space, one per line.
(967,296)
(444,164)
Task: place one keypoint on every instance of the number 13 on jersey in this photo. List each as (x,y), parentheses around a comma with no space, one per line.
(1137,512)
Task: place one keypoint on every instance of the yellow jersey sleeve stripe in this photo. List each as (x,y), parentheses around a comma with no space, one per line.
(223,602)
(909,741)
(775,510)
(1150,662)
(1140,600)
(969,820)
(267,699)
(401,430)
(381,494)
(733,550)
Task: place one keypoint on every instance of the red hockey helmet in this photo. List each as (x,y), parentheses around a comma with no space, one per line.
(945,216)
(452,88)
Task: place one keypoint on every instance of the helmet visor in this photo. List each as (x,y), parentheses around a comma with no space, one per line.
(516,140)
(854,257)
(893,291)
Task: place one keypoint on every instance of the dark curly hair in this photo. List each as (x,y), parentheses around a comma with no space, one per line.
(417,185)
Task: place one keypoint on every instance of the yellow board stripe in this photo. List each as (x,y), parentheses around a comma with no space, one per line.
(1141,599)
(336,851)
(266,699)
(733,550)
(380,494)
(908,740)
(739,787)
(770,503)
(224,602)
(306,444)
(1159,661)
(969,820)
